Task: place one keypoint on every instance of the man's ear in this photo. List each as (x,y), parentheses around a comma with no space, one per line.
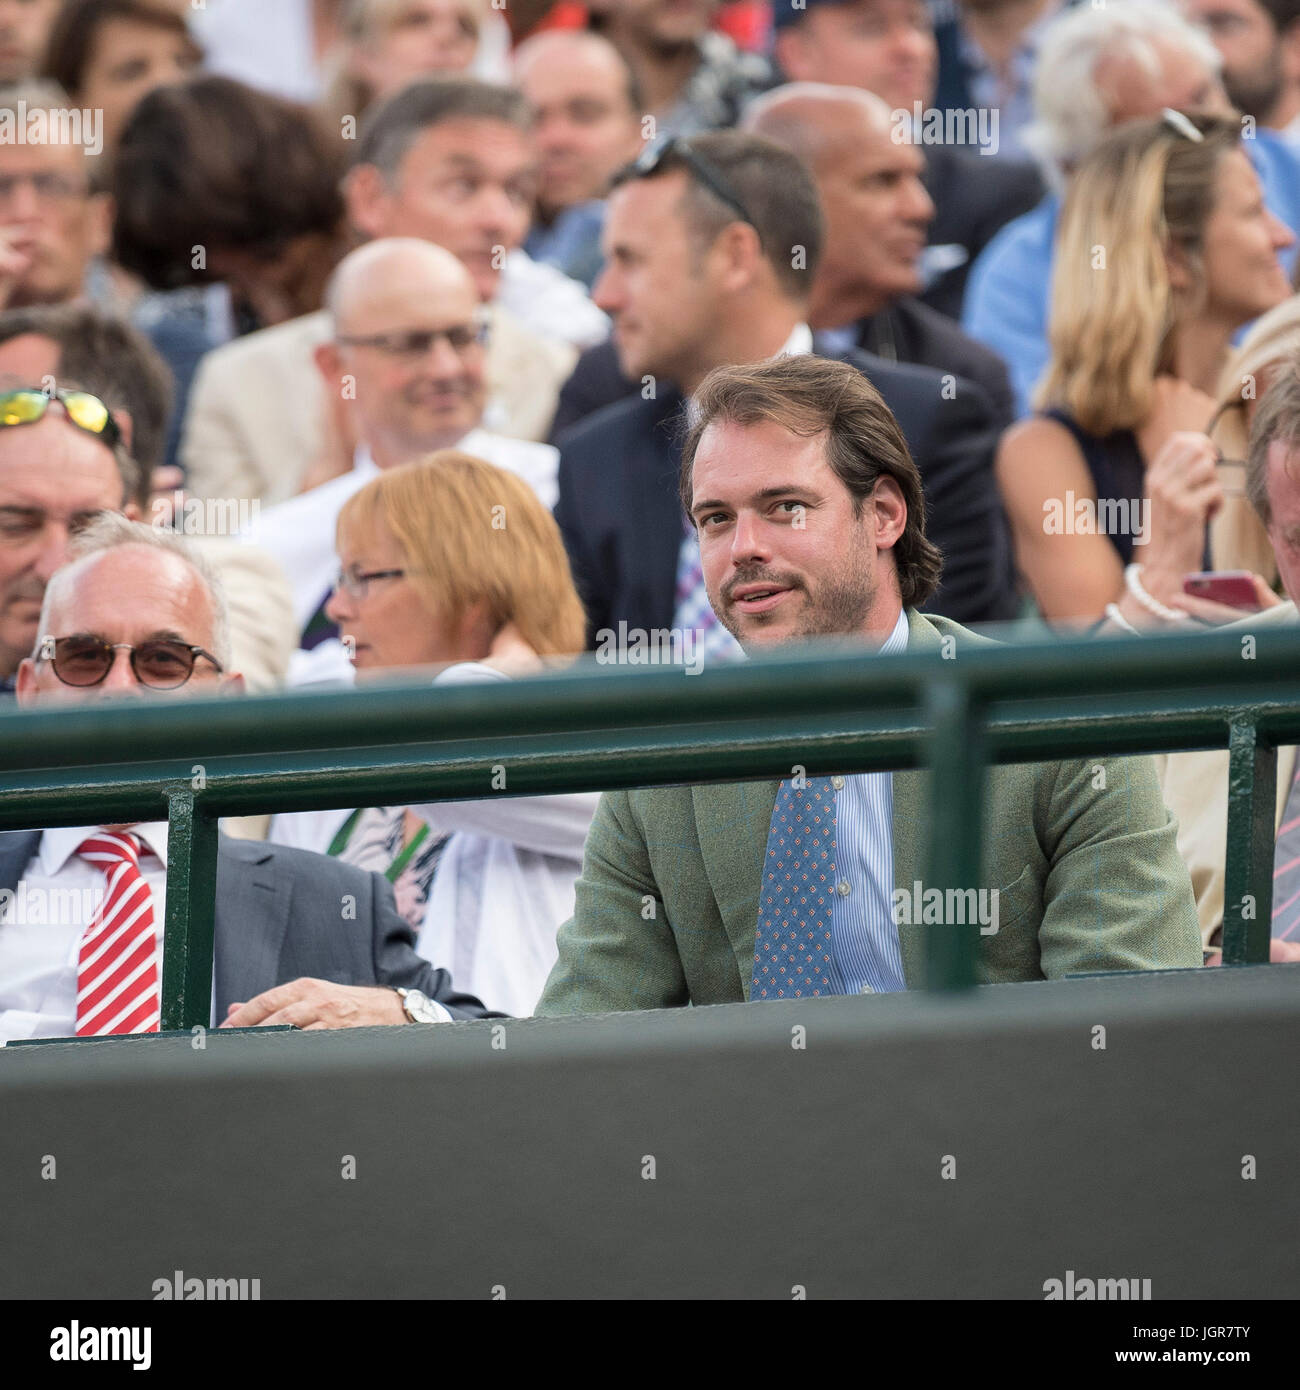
(25,685)
(891,512)
(367,199)
(232,683)
(740,254)
(329,363)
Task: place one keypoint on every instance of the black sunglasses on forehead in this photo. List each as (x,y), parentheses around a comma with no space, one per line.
(653,157)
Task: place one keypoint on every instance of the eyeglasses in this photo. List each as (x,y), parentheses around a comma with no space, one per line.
(49,188)
(1177,121)
(417,342)
(653,158)
(357,584)
(27,406)
(86,660)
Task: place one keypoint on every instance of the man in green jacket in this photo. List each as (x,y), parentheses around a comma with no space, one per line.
(811,521)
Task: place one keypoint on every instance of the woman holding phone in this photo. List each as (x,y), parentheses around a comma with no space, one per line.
(1165,249)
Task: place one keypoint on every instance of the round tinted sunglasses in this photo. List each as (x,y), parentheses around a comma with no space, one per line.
(28,405)
(86,660)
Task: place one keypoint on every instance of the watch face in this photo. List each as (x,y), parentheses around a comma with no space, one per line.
(418,1006)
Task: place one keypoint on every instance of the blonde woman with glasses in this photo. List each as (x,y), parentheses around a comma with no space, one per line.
(1165,249)
(453,562)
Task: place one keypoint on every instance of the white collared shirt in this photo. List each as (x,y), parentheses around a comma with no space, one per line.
(504,884)
(41,927)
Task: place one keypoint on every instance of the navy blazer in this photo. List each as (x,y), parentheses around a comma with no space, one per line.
(279,916)
(622,522)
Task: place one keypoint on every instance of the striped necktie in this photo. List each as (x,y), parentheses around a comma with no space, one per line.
(1286,867)
(794,957)
(117,969)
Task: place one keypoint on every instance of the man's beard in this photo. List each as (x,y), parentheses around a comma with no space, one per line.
(1256,93)
(840,607)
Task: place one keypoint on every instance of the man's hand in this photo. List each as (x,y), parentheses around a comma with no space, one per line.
(1278,951)
(309,1004)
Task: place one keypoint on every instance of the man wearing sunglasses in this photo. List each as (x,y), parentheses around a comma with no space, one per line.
(62,462)
(138,615)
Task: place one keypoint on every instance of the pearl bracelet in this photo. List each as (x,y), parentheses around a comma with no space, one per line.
(1120,621)
(1152,605)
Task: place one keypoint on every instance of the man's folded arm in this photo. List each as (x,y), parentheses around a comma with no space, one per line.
(617,952)
(1117,895)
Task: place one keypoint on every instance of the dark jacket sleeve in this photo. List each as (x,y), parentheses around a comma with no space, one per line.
(397,964)
(964,515)
(580,531)
(596,381)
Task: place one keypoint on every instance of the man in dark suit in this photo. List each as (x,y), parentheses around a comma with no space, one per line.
(711,250)
(877,211)
(888,47)
(300,938)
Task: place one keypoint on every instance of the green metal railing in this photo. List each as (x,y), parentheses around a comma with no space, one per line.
(192,761)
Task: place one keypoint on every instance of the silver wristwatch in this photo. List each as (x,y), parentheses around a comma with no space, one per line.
(418,1007)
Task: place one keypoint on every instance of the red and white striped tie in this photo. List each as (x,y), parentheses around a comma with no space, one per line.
(117,970)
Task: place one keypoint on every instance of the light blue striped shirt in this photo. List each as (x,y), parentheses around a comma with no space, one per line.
(863,931)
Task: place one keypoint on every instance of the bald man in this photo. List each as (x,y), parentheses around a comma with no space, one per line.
(588,126)
(406,361)
(877,214)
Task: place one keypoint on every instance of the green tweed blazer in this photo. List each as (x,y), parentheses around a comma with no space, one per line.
(1087,870)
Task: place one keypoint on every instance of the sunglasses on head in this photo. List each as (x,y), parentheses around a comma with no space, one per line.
(85,660)
(673,147)
(27,406)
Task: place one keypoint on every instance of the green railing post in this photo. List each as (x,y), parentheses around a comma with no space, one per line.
(191,910)
(957,767)
(1248,871)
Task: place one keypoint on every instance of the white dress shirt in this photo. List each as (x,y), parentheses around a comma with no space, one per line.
(549,303)
(504,884)
(41,928)
(300,531)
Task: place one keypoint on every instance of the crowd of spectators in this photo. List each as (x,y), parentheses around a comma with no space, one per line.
(342,339)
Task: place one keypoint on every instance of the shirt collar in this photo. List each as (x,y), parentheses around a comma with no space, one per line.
(61,843)
(798,344)
(897,640)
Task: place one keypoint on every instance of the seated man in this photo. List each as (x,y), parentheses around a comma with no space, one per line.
(811,522)
(137,614)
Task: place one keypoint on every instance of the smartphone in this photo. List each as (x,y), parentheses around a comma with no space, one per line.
(1234,588)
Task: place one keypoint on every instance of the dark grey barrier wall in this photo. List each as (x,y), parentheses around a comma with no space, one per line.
(701,1153)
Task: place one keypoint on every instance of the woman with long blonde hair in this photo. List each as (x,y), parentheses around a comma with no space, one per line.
(1165,249)
(453,563)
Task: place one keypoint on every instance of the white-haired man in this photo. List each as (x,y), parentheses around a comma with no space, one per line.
(1097,69)
(138,614)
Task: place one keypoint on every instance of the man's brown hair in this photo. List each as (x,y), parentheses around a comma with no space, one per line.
(1277,419)
(772,184)
(814,395)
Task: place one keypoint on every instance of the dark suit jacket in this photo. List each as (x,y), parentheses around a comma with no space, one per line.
(974,196)
(910,331)
(279,917)
(622,522)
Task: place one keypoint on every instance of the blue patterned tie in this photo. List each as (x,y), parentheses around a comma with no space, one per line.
(793,954)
